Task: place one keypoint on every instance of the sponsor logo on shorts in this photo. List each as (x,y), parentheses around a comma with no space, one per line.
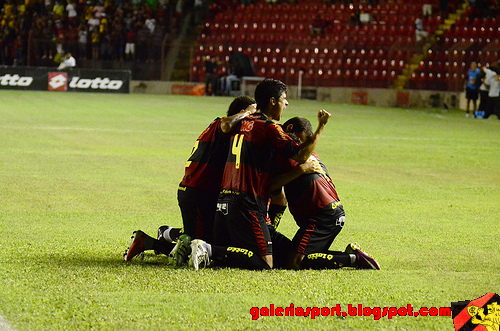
(222,207)
(240,250)
(340,221)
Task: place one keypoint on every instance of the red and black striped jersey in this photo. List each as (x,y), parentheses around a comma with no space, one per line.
(205,166)
(251,158)
(309,193)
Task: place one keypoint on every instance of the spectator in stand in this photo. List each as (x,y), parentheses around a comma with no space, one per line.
(427,10)
(71,11)
(420,33)
(317,26)
(129,22)
(199,12)
(93,23)
(58,10)
(104,24)
(82,41)
(106,48)
(44,21)
(96,42)
(142,47)
(157,42)
(88,11)
(72,39)
(210,78)
(47,38)
(472,88)
(98,9)
(130,45)
(18,51)
(67,62)
(117,42)
(8,8)
(150,23)
(230,78)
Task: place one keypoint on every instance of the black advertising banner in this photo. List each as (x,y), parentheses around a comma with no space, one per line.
(74,80)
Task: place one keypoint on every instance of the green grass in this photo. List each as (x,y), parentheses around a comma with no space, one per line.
(80,172)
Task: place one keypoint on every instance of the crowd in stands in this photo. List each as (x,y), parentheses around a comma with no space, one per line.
(33,32)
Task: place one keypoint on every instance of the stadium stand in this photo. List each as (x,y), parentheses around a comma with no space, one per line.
(379,52)
(447,61)
(337,44)
(33,32)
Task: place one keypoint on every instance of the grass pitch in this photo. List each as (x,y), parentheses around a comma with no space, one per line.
(80,172)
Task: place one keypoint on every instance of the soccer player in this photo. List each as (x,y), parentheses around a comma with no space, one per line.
(199,189)
(317,210)
(245,189)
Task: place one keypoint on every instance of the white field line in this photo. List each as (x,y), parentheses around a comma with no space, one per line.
(4,326)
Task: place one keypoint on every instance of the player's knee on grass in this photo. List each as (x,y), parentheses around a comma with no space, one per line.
(296,261)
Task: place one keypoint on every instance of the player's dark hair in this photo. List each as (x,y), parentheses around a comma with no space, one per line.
(238,104)
(267,89)
(299,124)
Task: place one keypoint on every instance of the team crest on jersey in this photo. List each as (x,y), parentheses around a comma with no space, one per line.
(480,314)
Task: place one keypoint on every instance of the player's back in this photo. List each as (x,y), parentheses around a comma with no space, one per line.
(205,166)
(252,155)
(310,193)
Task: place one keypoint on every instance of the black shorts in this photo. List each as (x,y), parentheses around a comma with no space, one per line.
(317,234)
(198,211)
(484,105)
(236,224)
(471,94)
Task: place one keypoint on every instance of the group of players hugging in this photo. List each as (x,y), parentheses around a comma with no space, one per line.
(243,172)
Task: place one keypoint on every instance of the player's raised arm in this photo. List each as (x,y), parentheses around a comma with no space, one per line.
(228,123)
(309,145)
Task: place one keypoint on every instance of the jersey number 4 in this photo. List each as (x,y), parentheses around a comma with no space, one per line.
(236,149)
(195,147)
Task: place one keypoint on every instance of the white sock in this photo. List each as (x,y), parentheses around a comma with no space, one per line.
(353,259)
(208,247)
(166,235)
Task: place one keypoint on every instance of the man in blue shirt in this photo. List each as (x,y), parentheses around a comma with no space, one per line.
(472,88)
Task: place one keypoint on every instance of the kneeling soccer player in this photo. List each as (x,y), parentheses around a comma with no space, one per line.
(199,189)
(317,210)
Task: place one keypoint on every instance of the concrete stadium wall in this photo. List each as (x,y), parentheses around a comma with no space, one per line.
(367,96)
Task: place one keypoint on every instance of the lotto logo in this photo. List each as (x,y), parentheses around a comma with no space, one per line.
(15,80)
(58,81)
